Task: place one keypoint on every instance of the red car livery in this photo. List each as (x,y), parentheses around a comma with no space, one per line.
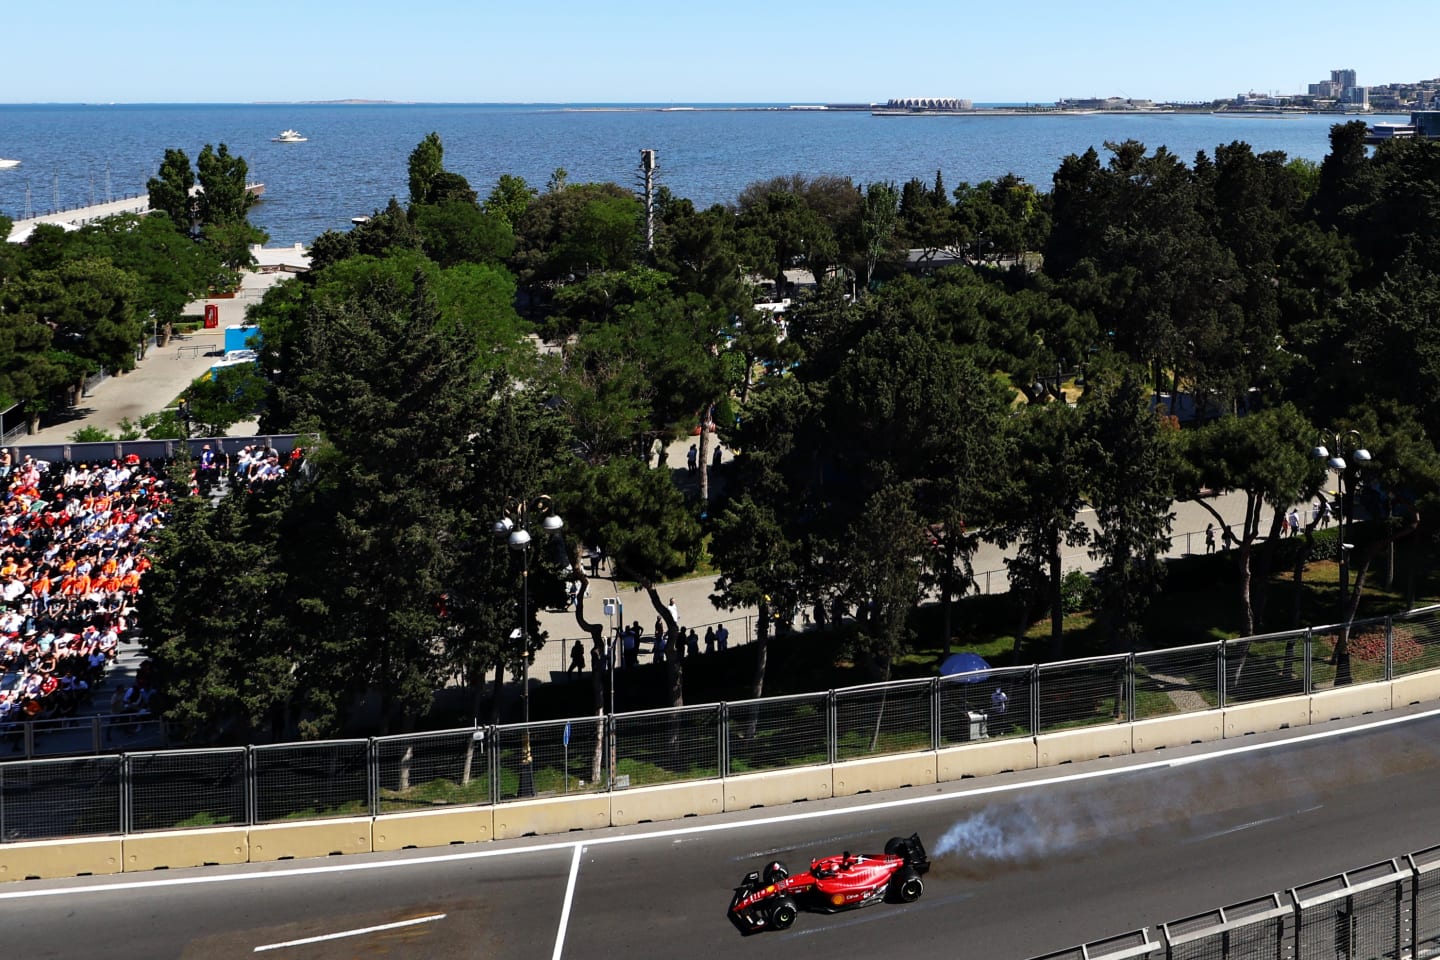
(772,898)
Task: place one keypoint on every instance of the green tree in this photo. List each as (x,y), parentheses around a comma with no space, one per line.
(224,179)
(1267,456)
(427,163)
(218,599)
(647,530)
(392,390)
(1129,489)
(509,199)
(172,189)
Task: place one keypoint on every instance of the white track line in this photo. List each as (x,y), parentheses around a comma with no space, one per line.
(351,933)
(269,875)
(569,898)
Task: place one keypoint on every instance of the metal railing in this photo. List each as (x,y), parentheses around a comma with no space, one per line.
(165,790)
(1388,909)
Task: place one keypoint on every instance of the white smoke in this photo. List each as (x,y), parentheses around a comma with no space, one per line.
(1010,834)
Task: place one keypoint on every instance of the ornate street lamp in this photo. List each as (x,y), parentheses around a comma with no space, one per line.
(512,529)
(1344,469)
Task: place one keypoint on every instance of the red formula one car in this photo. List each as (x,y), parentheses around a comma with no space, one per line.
(772,898)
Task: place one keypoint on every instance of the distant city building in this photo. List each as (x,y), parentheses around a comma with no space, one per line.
(930,103)
(1343,80)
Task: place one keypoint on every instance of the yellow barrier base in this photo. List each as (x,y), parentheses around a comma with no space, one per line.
(433,828)
(1089,743)
(46,859)
(776,787)
(985,757)
(535,817)
(1177,731)
(173,849)
(673,801)
(883,773)
(315,838)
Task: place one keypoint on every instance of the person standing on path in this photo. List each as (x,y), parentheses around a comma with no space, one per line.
(674,612)
(1209,538)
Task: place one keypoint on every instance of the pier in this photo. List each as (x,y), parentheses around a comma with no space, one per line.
(77,217)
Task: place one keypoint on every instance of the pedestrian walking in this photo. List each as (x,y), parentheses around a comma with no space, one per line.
(692,644)
(709,639)
(674,612)
(657,453)
(692,458)
(1294,522)
(577,658)
(1209,538)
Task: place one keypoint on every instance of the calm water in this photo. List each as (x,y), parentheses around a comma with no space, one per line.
(356,157)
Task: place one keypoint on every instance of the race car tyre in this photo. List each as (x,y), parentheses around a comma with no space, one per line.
(907,886)
(897,847)
(775,871)
(783,914)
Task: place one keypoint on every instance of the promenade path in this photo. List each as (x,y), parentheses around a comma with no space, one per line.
(692,596)
(162,375)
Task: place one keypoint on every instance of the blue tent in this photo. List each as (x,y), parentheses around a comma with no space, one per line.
(968,663)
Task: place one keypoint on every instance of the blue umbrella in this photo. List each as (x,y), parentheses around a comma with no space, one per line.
(970,663)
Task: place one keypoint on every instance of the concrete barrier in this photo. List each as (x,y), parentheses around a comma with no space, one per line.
(1416,688)
(1086,743)
(1266,715)
(883,773)
(671,801)
(777,786)
(984,757)
(312,838)
(172,849)
(1178,730)
(1349,701)
(525,818)
(44,859)
(433,828)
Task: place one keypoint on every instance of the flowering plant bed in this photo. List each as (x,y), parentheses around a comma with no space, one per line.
(1370,645)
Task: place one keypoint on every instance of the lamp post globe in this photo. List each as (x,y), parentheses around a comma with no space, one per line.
(512,530)
(1349,442)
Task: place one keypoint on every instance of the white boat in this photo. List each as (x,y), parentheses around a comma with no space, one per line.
(7,164)
(289,136)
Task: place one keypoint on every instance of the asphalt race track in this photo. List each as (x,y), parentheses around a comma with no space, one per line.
(1040,861)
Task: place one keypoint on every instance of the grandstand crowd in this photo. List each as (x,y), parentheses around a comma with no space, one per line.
(73,542)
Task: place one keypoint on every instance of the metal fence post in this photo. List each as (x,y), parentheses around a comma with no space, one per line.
(127,805)
(372,776)
(1309,660)
(831,736)
(722,738)
(2,803)
(29,741)
(1035,700)
(492,760)
(1389,649)
(1130,688)
(1221,672)
(934,713)
(250,800)
(95,734)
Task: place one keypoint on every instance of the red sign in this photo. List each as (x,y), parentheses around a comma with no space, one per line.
(212,316)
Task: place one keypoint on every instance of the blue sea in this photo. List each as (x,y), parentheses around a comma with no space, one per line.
(355,159)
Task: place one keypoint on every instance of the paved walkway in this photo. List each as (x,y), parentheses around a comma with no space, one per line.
(163,373)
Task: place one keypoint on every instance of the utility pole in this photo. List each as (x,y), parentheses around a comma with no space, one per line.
(647,173)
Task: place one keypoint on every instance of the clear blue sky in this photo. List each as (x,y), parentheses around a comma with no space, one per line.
(737,51)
